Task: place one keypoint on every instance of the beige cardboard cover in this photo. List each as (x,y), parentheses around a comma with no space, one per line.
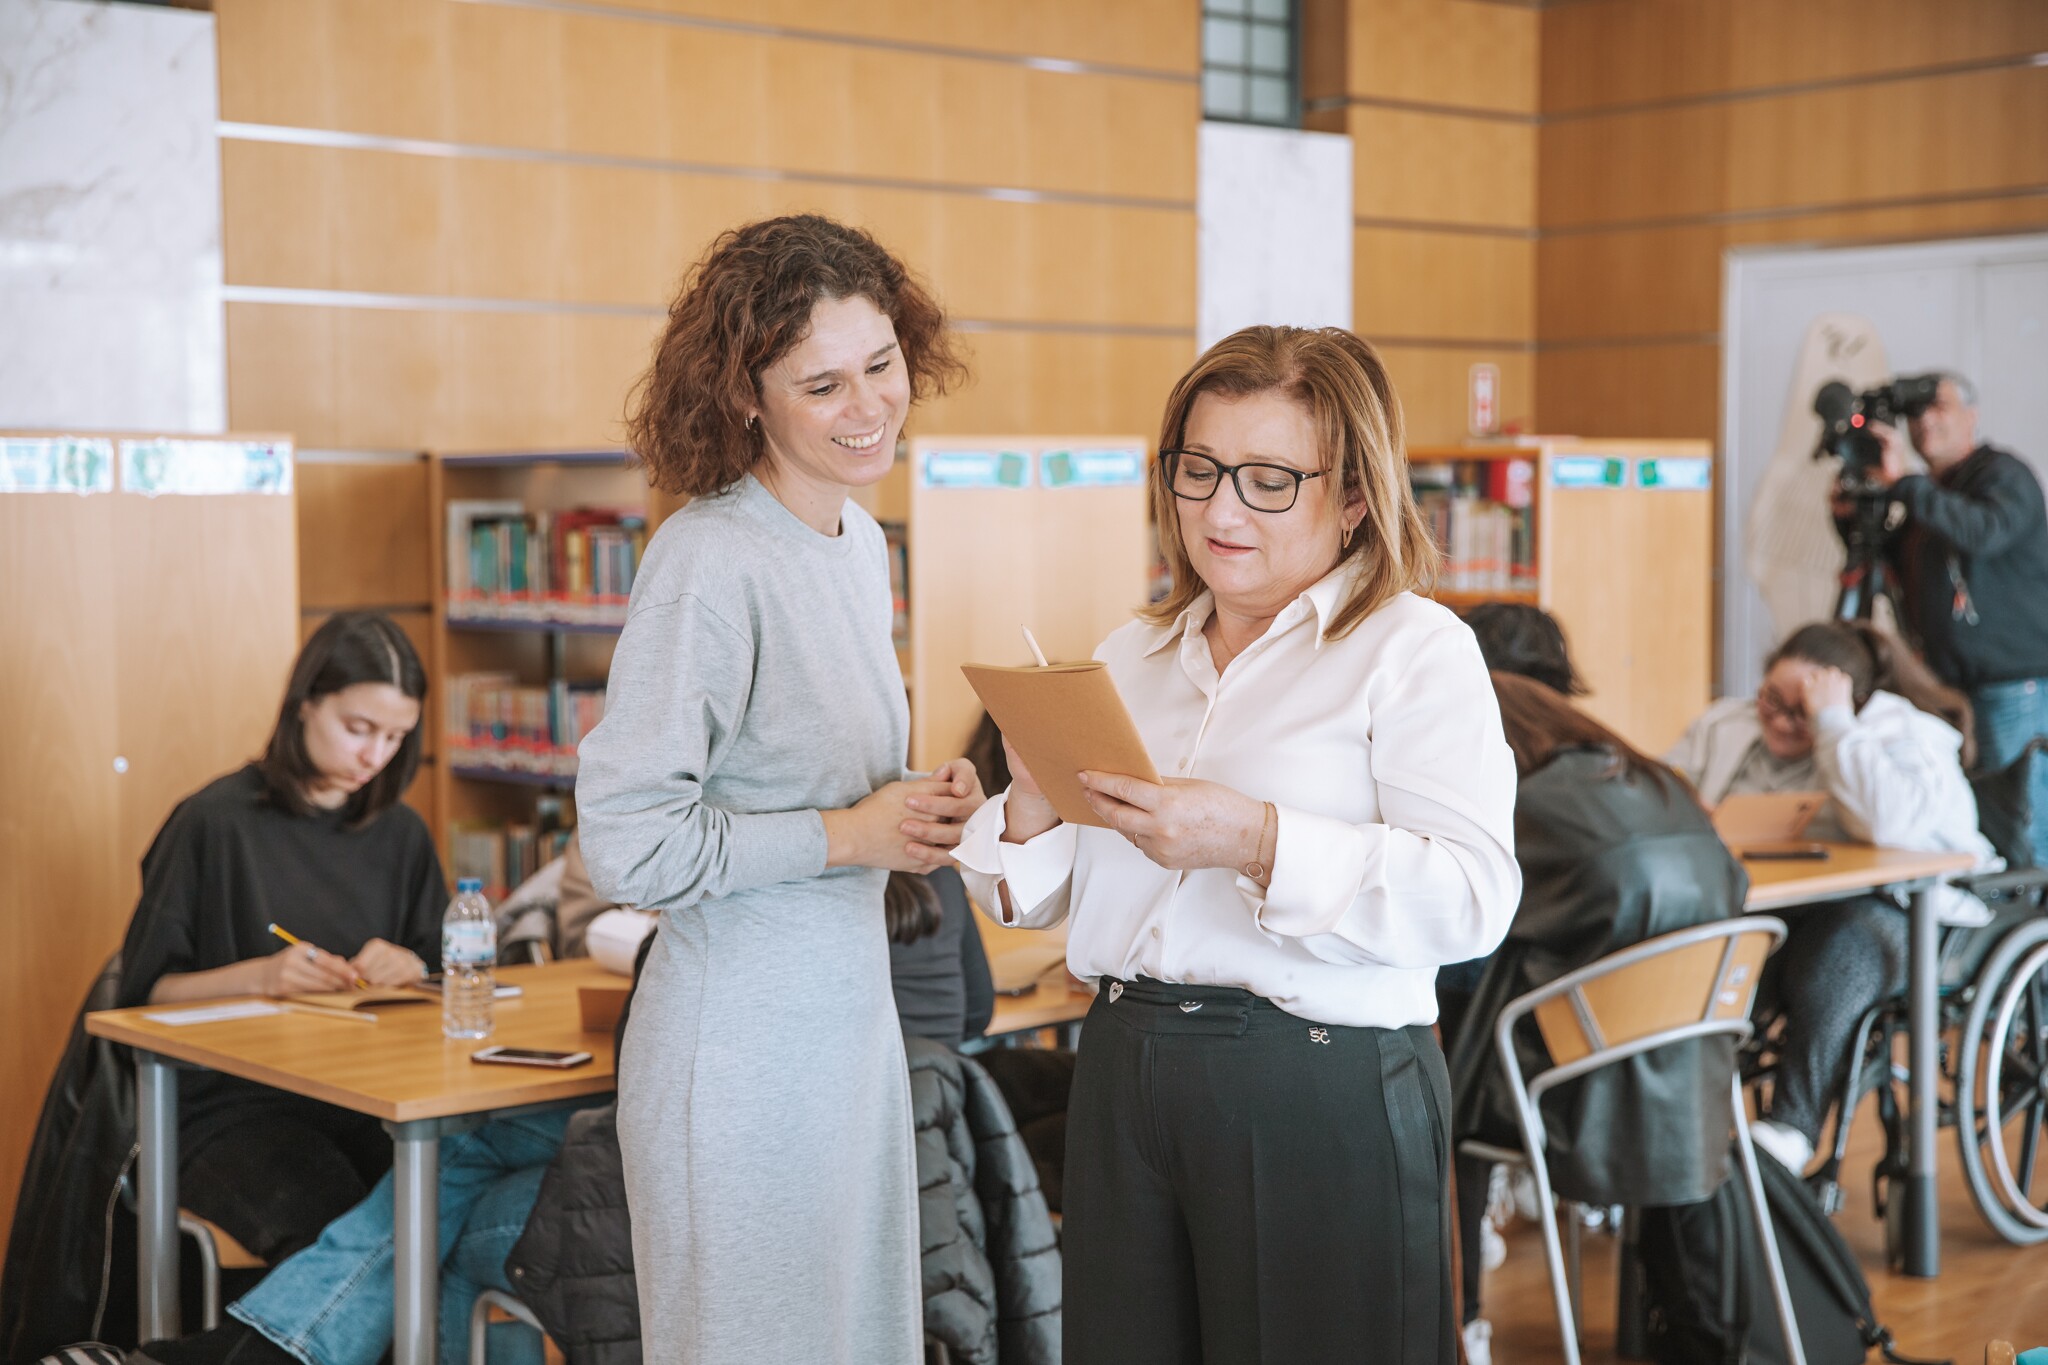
(1064,720)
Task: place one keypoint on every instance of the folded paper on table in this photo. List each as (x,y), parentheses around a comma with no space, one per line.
(1064,720)
(214,1014)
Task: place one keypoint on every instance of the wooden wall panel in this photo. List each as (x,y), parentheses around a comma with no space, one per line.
(1151,34)
(553,81)
(1470,53)
(386,222)
(359,534)
(1443,285)
(1631,390)
(1601,53)
(1432,384)
(1051,381)
(1666,281)
(1947,135)
(1437,168)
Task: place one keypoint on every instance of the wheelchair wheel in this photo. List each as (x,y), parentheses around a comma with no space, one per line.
(2002,1088)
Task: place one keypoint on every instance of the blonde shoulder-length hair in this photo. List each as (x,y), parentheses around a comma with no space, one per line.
(1339,378)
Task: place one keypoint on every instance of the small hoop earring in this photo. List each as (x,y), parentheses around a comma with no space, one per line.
(751,420)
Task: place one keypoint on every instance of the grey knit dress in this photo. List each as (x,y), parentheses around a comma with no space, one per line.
(764,1106)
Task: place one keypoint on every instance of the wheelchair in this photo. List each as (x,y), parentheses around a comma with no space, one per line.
(1993,1051)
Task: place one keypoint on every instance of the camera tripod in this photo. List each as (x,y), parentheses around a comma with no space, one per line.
(1865,574)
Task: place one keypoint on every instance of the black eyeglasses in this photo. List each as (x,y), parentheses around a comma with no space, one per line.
(1261,487)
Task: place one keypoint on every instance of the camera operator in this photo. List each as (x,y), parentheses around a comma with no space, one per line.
(1971,554)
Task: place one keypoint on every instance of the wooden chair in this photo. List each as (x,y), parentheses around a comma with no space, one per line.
(1694,983)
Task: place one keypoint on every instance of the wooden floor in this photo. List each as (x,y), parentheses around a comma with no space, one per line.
(1988,1289)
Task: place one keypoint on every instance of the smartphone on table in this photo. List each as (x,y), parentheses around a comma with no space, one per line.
(1787,853)
(529,1056)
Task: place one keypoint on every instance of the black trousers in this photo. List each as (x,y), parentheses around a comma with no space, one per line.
(1244,1185)
(1839,958)
(284,1169)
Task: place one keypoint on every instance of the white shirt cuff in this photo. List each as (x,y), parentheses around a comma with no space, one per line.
(1318,863)
(1033,871)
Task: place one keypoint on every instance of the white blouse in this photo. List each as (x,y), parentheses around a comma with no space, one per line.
(1383,755)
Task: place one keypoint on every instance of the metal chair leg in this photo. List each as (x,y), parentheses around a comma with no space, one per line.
(480,1321)
(209,1270)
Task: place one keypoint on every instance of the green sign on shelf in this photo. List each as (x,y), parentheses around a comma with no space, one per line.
(1689,474)
(1091,468)
(1588,471)
(974,469)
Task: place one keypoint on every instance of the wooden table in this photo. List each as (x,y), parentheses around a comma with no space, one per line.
(1852,869)
(399,1069)
(1056,1001)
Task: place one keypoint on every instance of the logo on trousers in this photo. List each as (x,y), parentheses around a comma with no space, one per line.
(1319,1035)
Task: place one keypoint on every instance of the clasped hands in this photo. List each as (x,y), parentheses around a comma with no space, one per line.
(911,825)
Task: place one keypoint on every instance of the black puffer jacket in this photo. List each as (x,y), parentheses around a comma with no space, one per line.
(70,1272)
(991,1264)
(991,1261)
(1606,862)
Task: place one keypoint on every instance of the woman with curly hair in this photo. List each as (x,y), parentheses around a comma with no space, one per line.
(748,782)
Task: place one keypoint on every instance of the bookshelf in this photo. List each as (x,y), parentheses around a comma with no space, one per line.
(534,553)
(1615,538)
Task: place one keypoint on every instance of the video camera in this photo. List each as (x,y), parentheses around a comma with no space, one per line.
(1846,417)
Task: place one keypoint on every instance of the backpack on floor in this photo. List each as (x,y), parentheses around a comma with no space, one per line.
(1710,1300)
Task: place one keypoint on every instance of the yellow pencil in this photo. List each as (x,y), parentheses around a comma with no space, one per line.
(289,937)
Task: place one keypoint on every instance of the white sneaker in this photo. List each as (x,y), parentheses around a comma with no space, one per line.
(1791,1148)
(1479,1342)
(1493,1248)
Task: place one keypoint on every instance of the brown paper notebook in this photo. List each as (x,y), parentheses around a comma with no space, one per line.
(1766,817)
(371,999)
(1063,719)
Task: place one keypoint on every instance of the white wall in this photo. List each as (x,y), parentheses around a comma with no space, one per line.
(1978,306)
(110,266)
(1274,213)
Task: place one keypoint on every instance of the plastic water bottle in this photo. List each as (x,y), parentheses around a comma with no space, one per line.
(469,955)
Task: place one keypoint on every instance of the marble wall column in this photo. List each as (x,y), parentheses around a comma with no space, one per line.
(110,256)
(1274,209)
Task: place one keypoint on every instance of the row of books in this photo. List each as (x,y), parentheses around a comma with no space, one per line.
(898,536)
(506,562)
(1482,515)
(495,721)
(503,856)
(1487,546)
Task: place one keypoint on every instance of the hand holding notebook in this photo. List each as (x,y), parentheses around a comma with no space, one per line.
(1063,720)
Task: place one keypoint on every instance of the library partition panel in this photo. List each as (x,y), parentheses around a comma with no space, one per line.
(1613,538)
(150,590)
(1006,532)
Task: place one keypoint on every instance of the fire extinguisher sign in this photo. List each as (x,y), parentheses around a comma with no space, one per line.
(1482,408)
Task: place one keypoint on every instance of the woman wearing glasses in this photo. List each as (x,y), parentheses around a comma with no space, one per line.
(1257,1137)
(1830,716)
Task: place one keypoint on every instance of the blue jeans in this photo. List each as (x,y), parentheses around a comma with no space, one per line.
(2010,715)
(331,1304)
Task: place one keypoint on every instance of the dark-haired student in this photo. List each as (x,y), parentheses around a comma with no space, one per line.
(1517,638)
(938,969)
(311,837)
(1613,850)
(1845,710)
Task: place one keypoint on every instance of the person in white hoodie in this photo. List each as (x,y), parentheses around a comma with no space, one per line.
(1893,770)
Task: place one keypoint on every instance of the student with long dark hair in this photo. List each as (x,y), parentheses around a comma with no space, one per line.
(311,837)
(1613,850)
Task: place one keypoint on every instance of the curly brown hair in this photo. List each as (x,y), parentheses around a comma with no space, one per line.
(742,307)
